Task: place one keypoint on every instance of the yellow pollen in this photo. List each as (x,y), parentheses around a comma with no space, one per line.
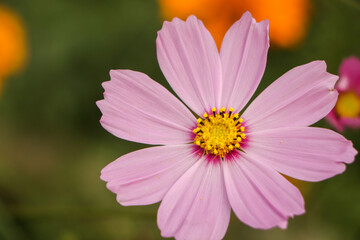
(196,130)
(348,105)
(218,134)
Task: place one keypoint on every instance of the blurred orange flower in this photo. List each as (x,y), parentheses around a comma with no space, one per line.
(12,43)
(288,19)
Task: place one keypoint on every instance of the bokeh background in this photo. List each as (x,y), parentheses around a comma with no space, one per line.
(52,146)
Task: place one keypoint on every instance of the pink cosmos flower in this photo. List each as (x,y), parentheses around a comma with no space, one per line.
(222,160)
(347,109)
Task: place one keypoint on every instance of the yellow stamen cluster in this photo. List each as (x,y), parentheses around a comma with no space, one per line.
(220,132)
(348,105)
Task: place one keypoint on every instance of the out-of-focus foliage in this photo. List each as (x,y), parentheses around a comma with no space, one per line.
(52,146)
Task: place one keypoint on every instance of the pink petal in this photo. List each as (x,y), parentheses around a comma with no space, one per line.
(300,97)
(190,61)
(144,176)
(339,123)
(259,196)
(306,153)
(335,121)
(196,207)
(243,56)
(351,122)
(283,225)
(138,109)
(349,72)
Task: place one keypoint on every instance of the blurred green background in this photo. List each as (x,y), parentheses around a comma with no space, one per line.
(52,146)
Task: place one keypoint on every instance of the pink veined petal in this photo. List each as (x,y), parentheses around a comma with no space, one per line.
(300,97)
(196,207)
(189,59)
(305,153)
(144,176)
(243,55)
(259,196)
(138,109)
(349,72)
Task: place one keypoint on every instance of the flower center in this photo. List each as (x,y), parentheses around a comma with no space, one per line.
(219,133)
(348,105)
